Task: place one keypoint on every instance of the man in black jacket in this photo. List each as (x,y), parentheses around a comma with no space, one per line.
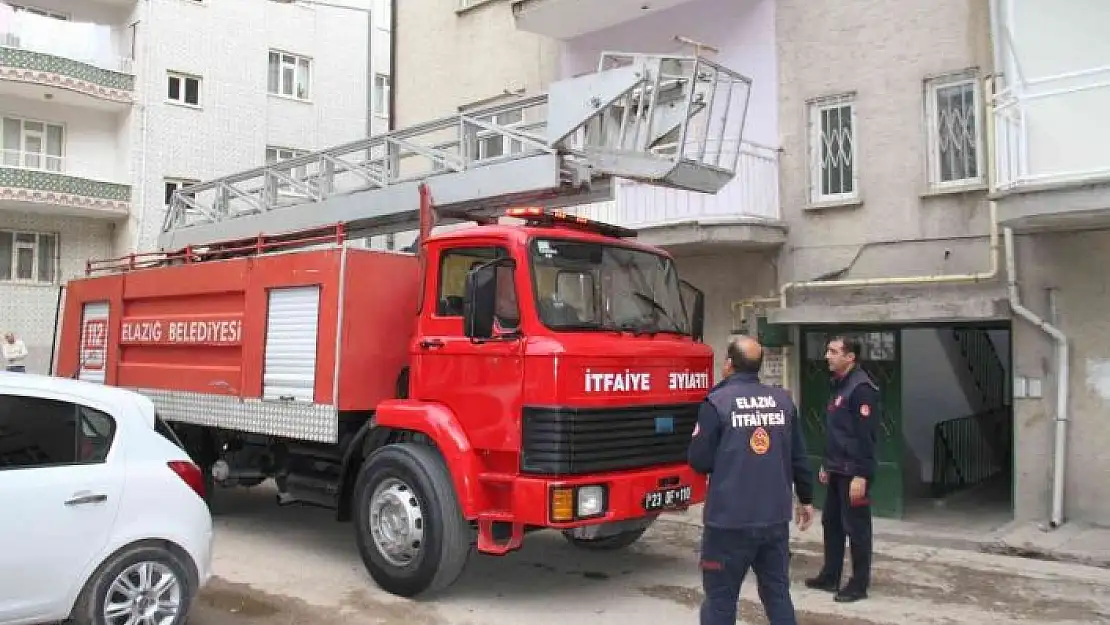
(851,423)
(749,440)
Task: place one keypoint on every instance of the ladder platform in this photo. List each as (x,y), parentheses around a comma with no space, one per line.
(664,120)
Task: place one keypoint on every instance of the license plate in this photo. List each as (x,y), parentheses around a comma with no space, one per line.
(676,497)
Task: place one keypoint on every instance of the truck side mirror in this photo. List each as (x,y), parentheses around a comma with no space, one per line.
(480,301)
(694,301)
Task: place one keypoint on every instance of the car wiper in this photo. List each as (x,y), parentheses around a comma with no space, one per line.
(659,307)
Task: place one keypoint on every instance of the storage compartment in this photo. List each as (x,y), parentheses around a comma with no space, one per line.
(264,328)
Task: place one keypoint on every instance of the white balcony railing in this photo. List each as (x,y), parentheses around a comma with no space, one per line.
(78,41)
(752,195)
(1052,130)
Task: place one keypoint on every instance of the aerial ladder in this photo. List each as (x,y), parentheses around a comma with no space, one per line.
(665,120)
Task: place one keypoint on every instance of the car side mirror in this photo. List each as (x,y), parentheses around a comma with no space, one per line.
(480,301)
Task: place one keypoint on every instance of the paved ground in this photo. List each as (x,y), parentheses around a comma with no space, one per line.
(295,565)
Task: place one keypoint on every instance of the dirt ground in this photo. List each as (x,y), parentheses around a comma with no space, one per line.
(286,566)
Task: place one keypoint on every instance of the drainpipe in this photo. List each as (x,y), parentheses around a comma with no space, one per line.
(1060,447)
(989,274)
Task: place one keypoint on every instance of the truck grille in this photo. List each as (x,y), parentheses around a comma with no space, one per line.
(570,441)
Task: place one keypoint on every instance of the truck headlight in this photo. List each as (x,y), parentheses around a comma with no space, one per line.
(591,501)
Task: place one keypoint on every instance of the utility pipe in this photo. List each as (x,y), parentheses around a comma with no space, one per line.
(1060,448)
(993,263)
(743,305)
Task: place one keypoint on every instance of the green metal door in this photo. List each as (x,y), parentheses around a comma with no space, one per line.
(882,359)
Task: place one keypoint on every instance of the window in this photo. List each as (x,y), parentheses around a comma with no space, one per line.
(173,184)
(590,286)
(492,144)
(953,123)
(28,256)
(37,432)
(834,176)
(183,89)
(454,266)
(381,95)
(31,144)
(275,154)
(289,75)
(166,431)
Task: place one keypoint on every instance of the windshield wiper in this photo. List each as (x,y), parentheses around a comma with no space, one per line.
(659,307)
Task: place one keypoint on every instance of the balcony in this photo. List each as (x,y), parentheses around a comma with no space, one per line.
(745,214)
(63,61)
(1052,168)
(38,183)
(567,19)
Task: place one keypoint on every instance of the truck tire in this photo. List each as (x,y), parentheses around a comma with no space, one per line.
(608,543)
(409,526)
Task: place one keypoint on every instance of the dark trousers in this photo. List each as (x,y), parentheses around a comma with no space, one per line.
(842,519)
(726,556)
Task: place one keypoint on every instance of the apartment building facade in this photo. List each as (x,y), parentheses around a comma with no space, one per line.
(109,106)
(1052,188)
(881,127)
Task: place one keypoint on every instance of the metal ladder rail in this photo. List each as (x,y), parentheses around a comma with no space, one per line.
(572,163)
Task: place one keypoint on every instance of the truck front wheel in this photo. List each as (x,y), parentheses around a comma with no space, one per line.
(409,527)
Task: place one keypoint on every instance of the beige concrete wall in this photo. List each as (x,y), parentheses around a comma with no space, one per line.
(1074,265)
(882,50)
(726,278)
(447,58)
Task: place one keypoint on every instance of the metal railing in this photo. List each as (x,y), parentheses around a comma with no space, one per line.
(65,39)
(971,450)
(981,357)
(754,194)
(1051,130)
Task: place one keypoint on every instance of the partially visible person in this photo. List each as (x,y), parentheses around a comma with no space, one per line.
(749,441)
(15,353)
(849,467)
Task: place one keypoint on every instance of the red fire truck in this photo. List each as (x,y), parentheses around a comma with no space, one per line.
(534,370)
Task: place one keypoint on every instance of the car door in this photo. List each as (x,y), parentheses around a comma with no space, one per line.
(60,487)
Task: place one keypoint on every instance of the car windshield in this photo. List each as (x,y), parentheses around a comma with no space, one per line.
(583,286)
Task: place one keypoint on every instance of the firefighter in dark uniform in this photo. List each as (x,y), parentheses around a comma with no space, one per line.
(748,439)
(851,425)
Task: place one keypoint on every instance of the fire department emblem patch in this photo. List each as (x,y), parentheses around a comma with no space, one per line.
(760,441)
(865,411)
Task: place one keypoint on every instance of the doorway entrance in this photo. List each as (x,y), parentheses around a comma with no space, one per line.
(945,439)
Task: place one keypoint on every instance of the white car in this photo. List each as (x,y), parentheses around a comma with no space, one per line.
(102,515)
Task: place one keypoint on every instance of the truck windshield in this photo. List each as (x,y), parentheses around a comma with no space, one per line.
(582,286)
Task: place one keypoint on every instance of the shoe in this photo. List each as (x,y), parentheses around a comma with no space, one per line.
(822,583)
(850,594)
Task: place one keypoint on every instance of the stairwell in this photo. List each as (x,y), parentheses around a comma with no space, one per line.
(972,449)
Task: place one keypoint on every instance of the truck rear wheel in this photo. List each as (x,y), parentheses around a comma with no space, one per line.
(409,526)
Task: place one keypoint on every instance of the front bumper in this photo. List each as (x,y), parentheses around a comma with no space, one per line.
(626,495)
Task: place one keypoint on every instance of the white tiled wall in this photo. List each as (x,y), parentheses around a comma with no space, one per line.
(28,310)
